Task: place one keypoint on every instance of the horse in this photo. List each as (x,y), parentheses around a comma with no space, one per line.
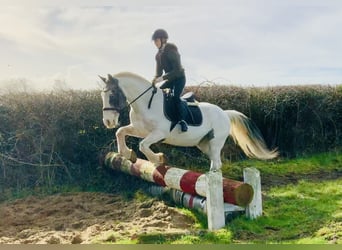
(147,121)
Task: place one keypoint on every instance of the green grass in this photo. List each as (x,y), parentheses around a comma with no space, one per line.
(310,165)
(320,162)
(305,211)
(302,204)
(295,212)
(222,236)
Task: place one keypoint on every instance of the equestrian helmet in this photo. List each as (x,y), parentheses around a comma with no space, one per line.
(160,33)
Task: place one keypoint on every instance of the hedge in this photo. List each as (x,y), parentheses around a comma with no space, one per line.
(55,139)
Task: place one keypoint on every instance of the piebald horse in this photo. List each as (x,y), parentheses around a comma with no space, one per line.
(147,121)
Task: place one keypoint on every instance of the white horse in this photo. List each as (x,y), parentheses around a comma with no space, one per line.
(151,124)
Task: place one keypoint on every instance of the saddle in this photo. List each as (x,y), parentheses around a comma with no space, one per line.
(193,114)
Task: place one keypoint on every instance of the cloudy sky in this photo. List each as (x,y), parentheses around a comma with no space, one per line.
(245,43)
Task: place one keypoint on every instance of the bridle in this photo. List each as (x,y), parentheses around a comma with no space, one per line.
(134,100)
(110,108)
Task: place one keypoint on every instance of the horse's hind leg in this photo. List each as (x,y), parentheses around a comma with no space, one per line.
(144,147)
(215,157)
(213,148)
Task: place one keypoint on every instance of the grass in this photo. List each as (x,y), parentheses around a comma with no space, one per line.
(303,213)
(319,164)
(222,236)
(295,212)
(302,204)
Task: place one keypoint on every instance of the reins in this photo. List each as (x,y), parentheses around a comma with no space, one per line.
(143,93)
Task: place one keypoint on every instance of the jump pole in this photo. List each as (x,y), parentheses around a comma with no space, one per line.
(190,201)
(193,183)
(199,203)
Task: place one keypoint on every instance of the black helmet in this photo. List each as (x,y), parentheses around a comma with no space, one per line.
(160,33)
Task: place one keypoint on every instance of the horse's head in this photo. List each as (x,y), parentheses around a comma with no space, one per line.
(113,100)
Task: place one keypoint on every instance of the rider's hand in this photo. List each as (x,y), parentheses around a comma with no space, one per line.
(158,79)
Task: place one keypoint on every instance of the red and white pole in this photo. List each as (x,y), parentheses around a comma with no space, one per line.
(193,183)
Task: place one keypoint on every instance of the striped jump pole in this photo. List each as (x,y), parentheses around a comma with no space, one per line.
(190,201)
(190,182)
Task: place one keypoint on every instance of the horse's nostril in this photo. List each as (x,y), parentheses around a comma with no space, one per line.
(106,122)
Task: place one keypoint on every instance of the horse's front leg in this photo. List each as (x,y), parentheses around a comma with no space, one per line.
(144,147)
(123,150)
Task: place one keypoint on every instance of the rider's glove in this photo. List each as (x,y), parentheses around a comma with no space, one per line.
(157,80)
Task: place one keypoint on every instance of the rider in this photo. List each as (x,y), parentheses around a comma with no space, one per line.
(168,61)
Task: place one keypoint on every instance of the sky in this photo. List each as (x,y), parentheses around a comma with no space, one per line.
(67,44)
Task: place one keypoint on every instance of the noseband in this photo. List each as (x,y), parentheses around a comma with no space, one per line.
(111,109)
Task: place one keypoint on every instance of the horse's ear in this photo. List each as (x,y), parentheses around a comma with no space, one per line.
(113,80)
(109,76)
(102,78)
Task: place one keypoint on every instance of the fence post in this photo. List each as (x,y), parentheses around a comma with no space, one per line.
(252,177)
(215,204)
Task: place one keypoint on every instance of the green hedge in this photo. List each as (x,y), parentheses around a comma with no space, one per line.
(296,119)
(55,139)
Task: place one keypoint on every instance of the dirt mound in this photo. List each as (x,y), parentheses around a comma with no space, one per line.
(86,218)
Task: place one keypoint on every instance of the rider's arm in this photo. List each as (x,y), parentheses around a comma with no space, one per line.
(175,62)
(159,69)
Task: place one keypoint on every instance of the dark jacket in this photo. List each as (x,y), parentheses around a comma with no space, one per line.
(168,60)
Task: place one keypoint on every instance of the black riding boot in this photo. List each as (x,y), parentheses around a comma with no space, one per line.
(182,122)
(184,125)
(177,90)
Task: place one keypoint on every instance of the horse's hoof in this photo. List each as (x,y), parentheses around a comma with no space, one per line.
(133,157)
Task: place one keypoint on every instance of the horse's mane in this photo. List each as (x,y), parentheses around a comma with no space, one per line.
(130,74)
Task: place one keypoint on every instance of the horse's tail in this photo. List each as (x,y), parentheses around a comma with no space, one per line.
(246,134)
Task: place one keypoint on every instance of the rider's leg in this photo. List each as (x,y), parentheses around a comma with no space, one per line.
(177,91)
